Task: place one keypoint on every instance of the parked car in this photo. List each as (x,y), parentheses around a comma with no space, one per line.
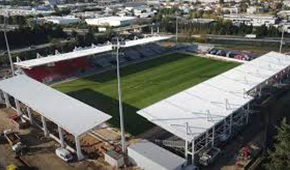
(64,154)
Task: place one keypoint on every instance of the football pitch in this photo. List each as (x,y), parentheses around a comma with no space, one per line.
(143,84)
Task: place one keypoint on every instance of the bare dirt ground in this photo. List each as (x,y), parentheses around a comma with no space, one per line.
(40,153)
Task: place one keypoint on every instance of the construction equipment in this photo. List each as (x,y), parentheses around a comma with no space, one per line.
(246,155)
(12,167)
(15,142)
(18,121)
(208,156)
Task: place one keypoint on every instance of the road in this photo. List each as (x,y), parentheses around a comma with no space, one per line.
(233,38)
(119,29)
(243,39)
(35,47)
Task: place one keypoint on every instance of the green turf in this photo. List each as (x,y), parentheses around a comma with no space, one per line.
(142,85)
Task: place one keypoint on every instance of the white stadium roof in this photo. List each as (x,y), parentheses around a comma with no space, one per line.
(87,52)
(72,115)
(191,112)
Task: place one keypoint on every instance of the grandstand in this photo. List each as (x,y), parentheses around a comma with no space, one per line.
(205,114)
(86,61)
(199,117)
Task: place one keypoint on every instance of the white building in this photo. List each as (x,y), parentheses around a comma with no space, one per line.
(149,156)
(24,12)
(87,14)
(252,10)
(112,21)
(255,20)
(62,20)
(231,10)
(217,1)
(284,14)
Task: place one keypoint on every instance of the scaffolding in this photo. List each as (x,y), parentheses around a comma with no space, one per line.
(208,114)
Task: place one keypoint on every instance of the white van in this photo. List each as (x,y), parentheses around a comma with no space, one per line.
(64,154)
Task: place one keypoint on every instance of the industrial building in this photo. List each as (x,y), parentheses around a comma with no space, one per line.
(62,20)
(24,12)
(112,21)
(255,20)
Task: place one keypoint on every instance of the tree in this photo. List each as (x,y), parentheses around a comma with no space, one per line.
(279,158)
(262,31)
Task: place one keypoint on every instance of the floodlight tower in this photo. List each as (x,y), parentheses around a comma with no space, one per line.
(176,25)
(116,45)
(282,39)
(176,29)
(7,45)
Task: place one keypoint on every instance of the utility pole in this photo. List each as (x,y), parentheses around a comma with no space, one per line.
(176,36)
(7,46)
(116,44)
(282,38)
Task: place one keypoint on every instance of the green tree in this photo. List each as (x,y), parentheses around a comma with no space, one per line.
(279,158)
(262,31)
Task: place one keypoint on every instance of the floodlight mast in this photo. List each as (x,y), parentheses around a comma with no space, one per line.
(116,45)
(176,28)
(7,46)
(282,40)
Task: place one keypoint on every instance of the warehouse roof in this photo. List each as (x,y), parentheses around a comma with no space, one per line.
(112,18)
(191,112)
(86,52)
(157,154)
(72,115)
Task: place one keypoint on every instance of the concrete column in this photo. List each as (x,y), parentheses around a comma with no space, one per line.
(213,136)
(206,137)
(17,104)
(158,30)
(61,137)
(29,115)
(193,151)
(247,115)
(7,102)
(186,150)
(225,124)
(78,148)
(1,99)
(231,124)
(44,126)
(152,30)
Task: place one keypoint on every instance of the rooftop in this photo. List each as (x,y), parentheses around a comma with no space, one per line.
(72,115)
(157,154)
(192,112)
(85,52)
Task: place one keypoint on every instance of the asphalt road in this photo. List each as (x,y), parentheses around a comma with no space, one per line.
(35,47)
(235,38)
(243,39)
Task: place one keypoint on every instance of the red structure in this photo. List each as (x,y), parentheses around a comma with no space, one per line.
(58,70)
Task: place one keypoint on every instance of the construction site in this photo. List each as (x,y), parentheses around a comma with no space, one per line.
(182,107)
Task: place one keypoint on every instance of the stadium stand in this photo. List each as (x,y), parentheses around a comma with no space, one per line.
(81,66)
(233,54)
(59,70)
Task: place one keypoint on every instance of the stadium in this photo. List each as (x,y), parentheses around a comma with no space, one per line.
(198,101)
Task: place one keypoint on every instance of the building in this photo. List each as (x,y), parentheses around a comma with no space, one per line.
(24,12)
(112,21)
(147,156)
(231,10)
(62,20)
(255,20)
